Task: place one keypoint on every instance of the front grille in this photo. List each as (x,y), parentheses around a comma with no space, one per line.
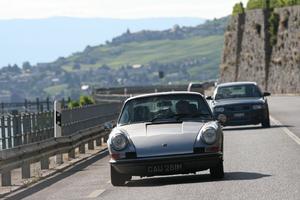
(238,108)
(199,150)
(130,155)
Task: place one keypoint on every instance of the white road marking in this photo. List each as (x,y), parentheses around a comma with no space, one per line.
(108,181)
(286,130)
(95,194)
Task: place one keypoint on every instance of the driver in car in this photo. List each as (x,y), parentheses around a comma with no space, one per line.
(183,107)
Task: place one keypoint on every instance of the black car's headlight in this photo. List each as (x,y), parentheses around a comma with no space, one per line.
(208,134)
(119,142)
(258,107)
(219,109)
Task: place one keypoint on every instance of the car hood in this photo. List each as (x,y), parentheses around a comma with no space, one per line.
(163,139)
(225,102)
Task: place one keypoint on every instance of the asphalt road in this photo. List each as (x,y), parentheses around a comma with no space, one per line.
(259,164)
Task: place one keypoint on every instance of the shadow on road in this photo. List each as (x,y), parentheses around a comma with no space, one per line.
(239,128)
(186,179)
(52,180)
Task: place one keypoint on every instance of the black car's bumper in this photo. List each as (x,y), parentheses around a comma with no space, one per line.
(167,165)
(244,117)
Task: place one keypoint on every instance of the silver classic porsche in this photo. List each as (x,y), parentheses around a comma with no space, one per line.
(163,134)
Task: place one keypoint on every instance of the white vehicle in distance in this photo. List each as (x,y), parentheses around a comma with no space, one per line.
(163,134)
(196,87)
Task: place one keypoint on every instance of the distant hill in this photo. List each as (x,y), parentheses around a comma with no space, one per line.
(180,53)
(37,40)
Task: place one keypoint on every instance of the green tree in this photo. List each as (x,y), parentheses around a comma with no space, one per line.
(238,8)
(26,66)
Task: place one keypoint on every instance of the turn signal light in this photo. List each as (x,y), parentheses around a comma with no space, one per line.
(115,156)
(212,149)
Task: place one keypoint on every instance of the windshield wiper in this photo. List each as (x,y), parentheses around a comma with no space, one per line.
(180,116)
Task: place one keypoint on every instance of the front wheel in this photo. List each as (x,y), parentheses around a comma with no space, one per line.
(116,178)
(217,171)
(266,123)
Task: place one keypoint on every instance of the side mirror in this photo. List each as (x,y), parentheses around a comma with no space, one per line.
(209,98)
(267,94)
(222,119)
(108,125)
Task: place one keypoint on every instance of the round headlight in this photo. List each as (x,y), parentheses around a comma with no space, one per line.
(119,142)
(209,136)
(219,109)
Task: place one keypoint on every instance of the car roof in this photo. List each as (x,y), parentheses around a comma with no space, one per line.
(237,83)
(164,93)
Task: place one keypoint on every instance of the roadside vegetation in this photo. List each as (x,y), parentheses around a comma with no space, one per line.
(83,101)
(257,4)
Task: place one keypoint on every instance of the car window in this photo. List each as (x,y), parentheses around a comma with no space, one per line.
(165,107)
(237,91)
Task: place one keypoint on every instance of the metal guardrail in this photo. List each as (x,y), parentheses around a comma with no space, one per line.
(148,89)
(25,140)
(113,98)
(73,120)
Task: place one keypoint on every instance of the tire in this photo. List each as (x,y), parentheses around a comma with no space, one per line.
(118,179)
(217,172)
(266,123)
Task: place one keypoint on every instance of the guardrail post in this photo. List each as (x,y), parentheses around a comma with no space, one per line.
(98,141)
(57,128)
(105,139)
(26,170)
(6,178)
(82,148)
(71,154)
(91,145)
(45,163)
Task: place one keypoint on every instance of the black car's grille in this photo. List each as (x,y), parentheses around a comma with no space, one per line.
(238,108)
(199,150)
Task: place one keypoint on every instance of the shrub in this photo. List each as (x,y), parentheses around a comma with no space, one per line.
(283,3)
(238,8)
(86,100)
(73,104)
(274,23)
(256,4)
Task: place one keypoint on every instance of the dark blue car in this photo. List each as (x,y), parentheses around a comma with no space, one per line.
(240,103)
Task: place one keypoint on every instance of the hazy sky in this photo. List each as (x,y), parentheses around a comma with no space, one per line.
(11,9)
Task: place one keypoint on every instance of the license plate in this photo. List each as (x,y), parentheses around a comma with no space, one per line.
(239,115)
(165,168)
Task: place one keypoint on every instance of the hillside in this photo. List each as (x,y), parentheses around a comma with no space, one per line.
(37,40)
(143,53)
(181,54)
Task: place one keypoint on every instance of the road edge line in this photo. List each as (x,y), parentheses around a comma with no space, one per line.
(286,130)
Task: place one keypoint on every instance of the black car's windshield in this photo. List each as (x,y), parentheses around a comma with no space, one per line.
(165,108)
(237,91)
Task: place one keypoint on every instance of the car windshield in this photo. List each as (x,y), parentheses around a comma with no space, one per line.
(165,108)
(237,91)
